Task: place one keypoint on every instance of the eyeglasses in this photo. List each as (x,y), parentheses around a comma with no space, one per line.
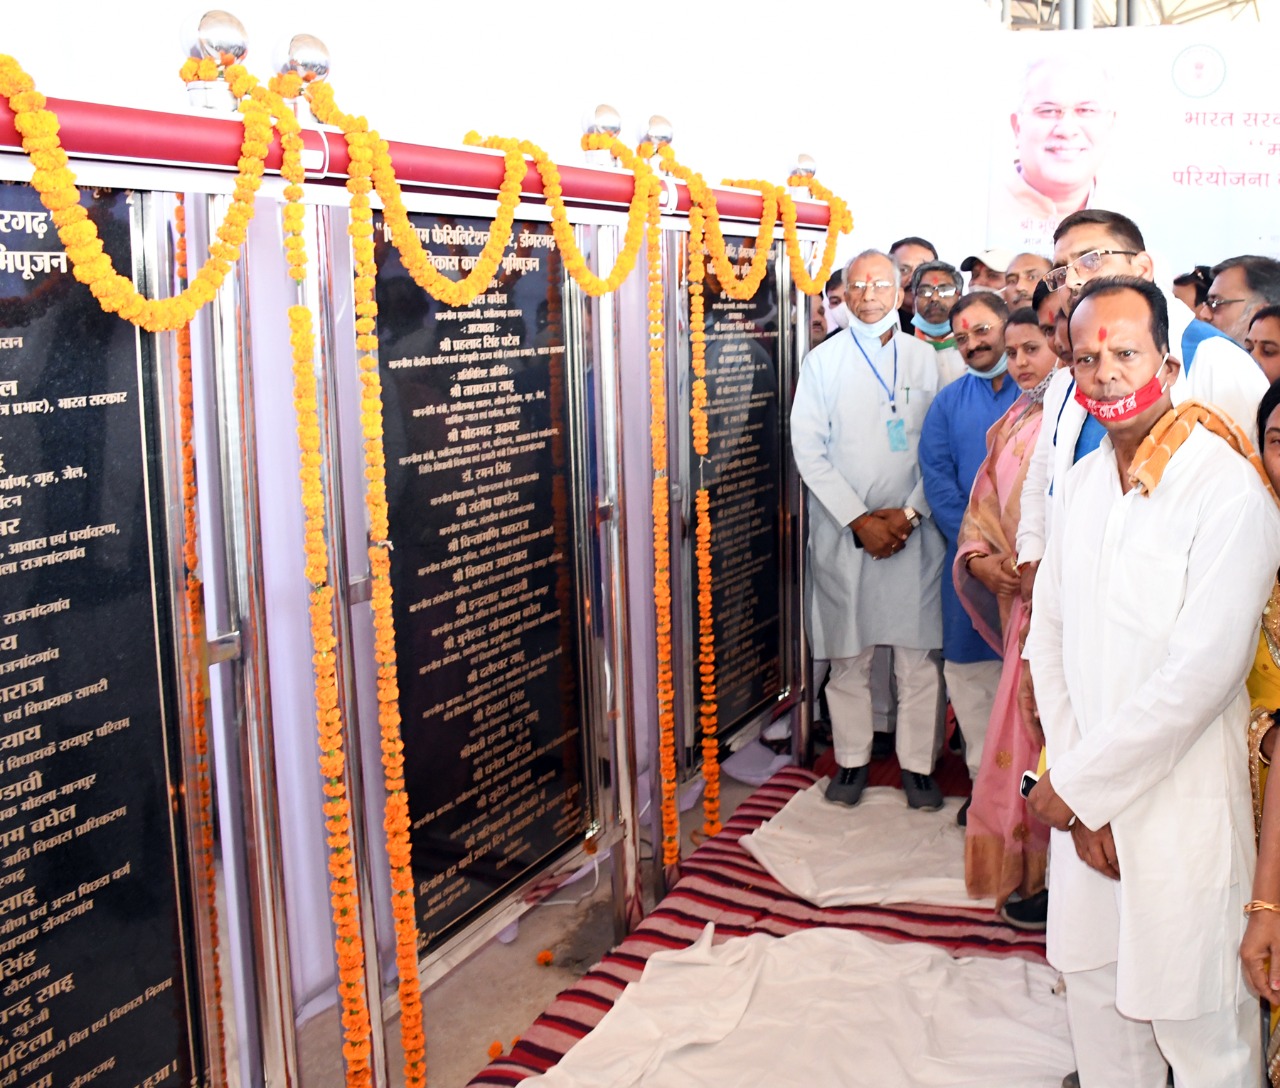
(931,292)
(962,338)
(1214,303)
(874,285)
(1086,262)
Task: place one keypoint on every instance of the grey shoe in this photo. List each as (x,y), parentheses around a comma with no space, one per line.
(1071,1080)
(921,790)
(847,786)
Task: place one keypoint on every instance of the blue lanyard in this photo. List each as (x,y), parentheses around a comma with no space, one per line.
(891,393)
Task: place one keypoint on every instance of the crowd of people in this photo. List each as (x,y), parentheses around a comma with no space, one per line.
(1036,496)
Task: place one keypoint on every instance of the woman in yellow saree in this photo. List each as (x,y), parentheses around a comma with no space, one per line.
(1260,949)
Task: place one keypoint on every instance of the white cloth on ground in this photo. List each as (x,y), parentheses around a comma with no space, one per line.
(825,1007)
(880,852)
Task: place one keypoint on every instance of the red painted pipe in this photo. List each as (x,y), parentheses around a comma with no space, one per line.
(91,130)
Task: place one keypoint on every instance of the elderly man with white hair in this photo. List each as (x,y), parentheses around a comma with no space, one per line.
(875,556)
(1062,132)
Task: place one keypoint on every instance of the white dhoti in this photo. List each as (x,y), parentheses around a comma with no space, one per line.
(850,701)
(971,687)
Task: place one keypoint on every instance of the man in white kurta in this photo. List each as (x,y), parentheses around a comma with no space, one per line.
(855,428)
(1143,629)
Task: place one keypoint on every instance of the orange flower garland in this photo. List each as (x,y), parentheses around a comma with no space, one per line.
(349,943)
(708,716)
(79,235)
(840,222)
(701,196)
(708,711)
(574,260)
(194,632)
(415,260)
(661,532)
(371,162)
(759,264)
(396,809)
(206,70)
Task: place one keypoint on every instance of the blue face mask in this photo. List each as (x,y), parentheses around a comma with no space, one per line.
(931,328)
(876,329)
(1002,367)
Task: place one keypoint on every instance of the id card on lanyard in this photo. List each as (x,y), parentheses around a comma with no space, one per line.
(895,427)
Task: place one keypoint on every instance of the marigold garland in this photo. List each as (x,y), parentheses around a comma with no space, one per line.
(701,196)
(79,235)
(840,222)
(349,943)
(370,157)
(708,717)
(343,888)
(575,262)
(396,809)
(661,531)
(193,631)
(708,711)
(371,166)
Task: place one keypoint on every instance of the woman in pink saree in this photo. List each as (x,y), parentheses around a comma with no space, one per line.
(1005,849)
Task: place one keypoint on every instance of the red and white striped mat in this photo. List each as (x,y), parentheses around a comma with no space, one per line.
(721,883)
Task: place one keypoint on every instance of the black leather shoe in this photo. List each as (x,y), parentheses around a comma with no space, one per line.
(1030,913)
(847,786)
(922,791)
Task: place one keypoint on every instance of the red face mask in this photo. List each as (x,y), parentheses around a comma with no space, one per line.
(1128,406)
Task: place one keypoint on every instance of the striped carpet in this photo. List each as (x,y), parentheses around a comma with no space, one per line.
(721,883)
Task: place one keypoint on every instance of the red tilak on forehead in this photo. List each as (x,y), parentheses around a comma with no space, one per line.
(1102,332)
(964,322)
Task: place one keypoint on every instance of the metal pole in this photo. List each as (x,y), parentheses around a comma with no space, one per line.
(1084,14)
(628,891)
(247,612)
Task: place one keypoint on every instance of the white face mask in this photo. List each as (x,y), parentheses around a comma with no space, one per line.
(837,316)
(876,329)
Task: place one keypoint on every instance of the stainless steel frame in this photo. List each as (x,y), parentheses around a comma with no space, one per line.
(316,292)
(602,623)
(684,592)
(250,732)
(612,677)
(152,262)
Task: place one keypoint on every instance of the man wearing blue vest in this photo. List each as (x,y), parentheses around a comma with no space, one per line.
(1216,370)
(953,445)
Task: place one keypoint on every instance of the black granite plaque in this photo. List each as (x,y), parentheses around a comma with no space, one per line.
(482,566)
(743,471)
(95,958)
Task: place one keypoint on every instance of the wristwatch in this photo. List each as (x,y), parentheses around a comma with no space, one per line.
(910,513)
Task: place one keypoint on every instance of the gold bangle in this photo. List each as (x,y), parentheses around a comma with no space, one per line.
(1259,904)
(972,556)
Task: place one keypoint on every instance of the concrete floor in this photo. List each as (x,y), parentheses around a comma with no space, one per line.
(501,989)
